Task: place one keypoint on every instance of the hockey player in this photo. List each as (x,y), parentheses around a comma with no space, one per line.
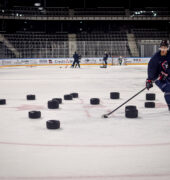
(120,59)
(76,59)
(78,62)
(159,71)
(105,59)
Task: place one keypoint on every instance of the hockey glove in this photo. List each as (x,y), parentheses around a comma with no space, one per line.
(149,84)
(163,76)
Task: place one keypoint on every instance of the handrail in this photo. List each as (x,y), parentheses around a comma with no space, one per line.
(76,13)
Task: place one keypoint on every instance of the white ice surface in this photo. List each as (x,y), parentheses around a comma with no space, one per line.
(87,146)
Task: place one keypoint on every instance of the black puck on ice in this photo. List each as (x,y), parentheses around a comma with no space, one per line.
(114,95)
(34,114)
(150,96)
(53,124)
(68,97)
(94,101)
(149,104)
(131,113)
(57,99)
(2,101)
(53,104)
(74,95)
(30,97)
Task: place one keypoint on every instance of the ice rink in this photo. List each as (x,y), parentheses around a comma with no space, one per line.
(87,146)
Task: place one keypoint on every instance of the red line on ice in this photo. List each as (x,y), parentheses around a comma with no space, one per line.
(161,105)
(85,108)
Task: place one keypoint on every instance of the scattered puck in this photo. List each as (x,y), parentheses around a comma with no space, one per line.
(2,101)
(94,101)
(75,95)
(68,97)
(34,114)
(130,108)
(131,113)
(30,97)
(53,124)
(149,104)
(57,99)
(114,95)
(53,104)
(150,96)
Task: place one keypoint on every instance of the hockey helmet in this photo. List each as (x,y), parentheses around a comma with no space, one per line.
(164,43)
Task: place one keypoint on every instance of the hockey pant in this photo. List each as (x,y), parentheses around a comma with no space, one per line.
(75,61)
(105,61)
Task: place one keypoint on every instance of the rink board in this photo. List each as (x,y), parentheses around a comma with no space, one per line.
(69,61)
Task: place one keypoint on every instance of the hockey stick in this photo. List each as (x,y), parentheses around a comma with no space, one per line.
(106,115)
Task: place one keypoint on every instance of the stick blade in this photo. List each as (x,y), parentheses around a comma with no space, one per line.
(105,116)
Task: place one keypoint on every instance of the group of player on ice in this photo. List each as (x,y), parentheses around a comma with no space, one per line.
(77,58)
(105,58)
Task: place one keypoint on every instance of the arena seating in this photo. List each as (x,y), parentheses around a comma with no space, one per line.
(151,34)
(89,44)
(33,45)
(95,43)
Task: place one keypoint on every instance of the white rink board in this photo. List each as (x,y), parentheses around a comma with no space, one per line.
(65,61)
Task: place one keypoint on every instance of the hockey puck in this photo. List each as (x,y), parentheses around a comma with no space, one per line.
(150,96)
(94,101)
(53,124)
(2,101)
(34,114)
(130,108)
(105,116)
(57,99)
(131,113)
(68,97)
(53,104)
(149,104)
(74,95)
(30,97)
(114,95)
